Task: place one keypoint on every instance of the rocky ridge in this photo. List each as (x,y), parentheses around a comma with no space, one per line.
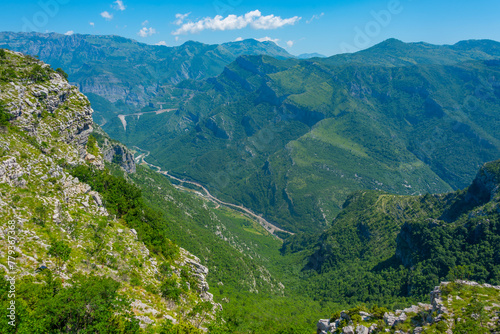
(453,306)
(47,135)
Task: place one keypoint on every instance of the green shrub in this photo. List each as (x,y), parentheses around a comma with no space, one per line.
(335,316)
(38,73)
(169,289)
(61,72)
(5,117)
(356,318)
(441,326)
(38,221)
(8,74)
(90,304)
(60,251)
(117,159)
(183,328)
(378,312)
(135,279)
(92,147)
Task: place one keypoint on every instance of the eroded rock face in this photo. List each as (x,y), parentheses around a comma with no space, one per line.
(11,172)
(200,272)
(391,319)
(67,111)
(120,154)
(360,329)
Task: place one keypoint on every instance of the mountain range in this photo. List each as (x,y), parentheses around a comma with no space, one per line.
(129,74)
(292,138)
(383,163)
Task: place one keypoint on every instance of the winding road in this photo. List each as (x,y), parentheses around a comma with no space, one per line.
(264,223)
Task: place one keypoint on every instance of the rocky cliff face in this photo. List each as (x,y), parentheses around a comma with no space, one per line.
(48,135)
(48,105)
(119,154)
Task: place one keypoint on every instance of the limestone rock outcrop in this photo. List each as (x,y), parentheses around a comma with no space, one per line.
(439,315)
(119,154)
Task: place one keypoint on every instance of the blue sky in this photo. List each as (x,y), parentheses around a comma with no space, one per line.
(327,27)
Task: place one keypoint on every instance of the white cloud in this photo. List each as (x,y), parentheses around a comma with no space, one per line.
(289,43)
(92,24)
(107,15)
(69,32)
(239,39)
(161,43)
(315,17)
(176,38)
(119,5)
(180,18)
(254,19)
(268,39)
(145,32)
(145,23)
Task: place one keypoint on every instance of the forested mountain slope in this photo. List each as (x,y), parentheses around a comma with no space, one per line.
(382,247)
(292,139)
(288,138)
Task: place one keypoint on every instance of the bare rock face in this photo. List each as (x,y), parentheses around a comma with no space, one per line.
(120,154)
(360,329)
(198,271)
(323,326)
(53,98)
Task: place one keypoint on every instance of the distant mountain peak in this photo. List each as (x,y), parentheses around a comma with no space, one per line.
(393,41)
(310,55)
(390,43)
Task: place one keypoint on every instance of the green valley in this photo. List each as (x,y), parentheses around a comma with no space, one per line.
(380,167)
(292,139)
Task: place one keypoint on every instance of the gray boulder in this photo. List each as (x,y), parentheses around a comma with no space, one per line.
(348,330)
(391,320)
(323,326)
(360,329)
